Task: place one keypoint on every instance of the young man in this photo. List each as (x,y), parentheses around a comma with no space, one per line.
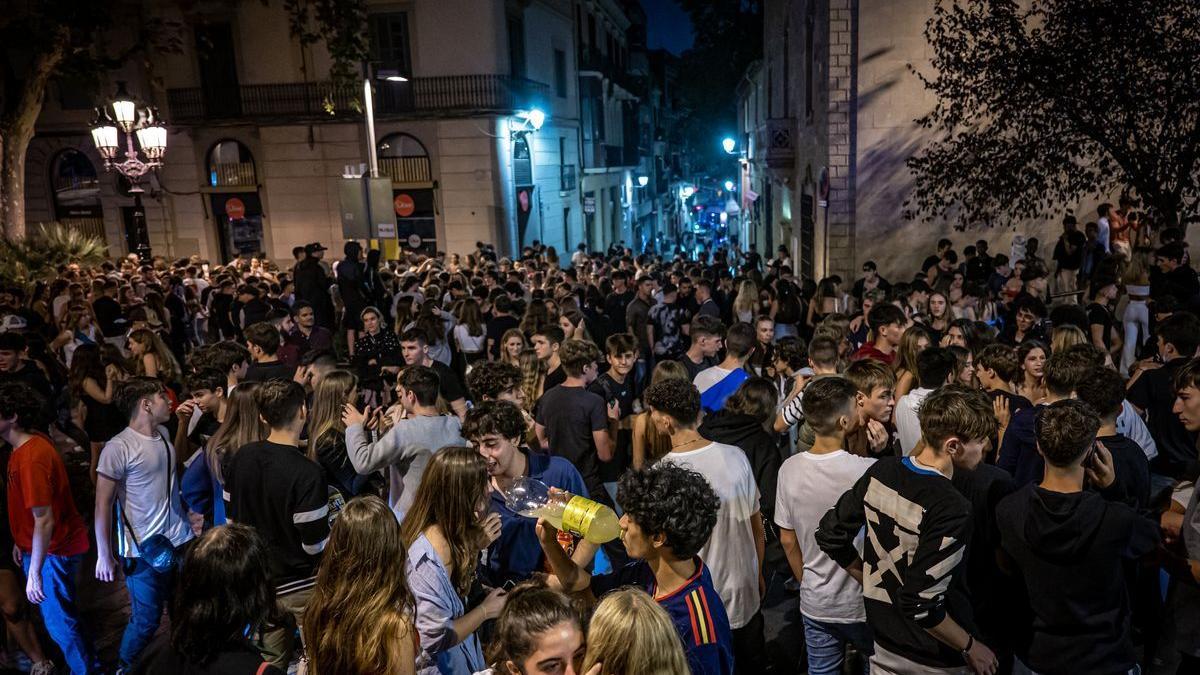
(996,368)
(138,466)
(637,321)
(1103,329)
(1028,314)
(667,318)
(201,415)
(737,546)
(887,327)
(1070,546)
(497,430)
(48,532)
(573,423)
(262,340)
(935,367)
(496,381)
(1181,526)
(232,359)
(415,350)
(670,512)
(14,368)
(1153,393)
(273,487)
(405,449)
(546,343)
(869,281)
(719,382)
(500,323)
(707,334)
(917,530)
(307,337)
(705,304)
(616,385)
(823,361)
(618,300)
(1105,393)
(1018,455)
(810,483)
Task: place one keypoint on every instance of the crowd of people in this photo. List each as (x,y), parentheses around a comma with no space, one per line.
(981,469)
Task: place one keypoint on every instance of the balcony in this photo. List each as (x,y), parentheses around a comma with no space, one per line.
(451,96)
(566,177)
(593,63)
(777,140)
(406,169)
(232,174)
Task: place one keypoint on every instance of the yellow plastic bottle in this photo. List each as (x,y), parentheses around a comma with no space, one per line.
(578,515)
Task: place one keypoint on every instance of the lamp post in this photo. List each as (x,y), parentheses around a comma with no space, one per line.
(145,124)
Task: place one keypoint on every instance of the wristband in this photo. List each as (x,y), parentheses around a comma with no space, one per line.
(970,643)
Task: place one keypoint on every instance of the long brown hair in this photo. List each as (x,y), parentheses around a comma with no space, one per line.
(330,397)
(533,370)
(452,487)
(658,443)
(469,316)
(361,611)
(168,367)
(242,425)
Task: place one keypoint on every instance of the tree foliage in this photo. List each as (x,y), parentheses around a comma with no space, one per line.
(1043,102)
(47,248)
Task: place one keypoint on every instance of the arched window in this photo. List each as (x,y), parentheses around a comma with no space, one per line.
(404,158)
(77,192)
(230,164)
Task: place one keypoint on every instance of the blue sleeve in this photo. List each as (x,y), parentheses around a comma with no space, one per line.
(566,477)
(197,486)
(1010,447)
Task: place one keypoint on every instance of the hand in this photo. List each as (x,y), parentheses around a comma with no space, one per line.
(1000,406)
(547,533)
(595,669)
(491,530)
(1171,523)
(981,660)
(106,568)
(1100,469)
(185,410)
(798,384)
(112,372)
(494,603)
(614,411)
(16,554)
(877,435)
(33,587)
(351,416)
(373,417)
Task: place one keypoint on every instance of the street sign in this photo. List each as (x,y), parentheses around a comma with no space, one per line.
(386,230)
(404,205)
(589,204)
(363,220)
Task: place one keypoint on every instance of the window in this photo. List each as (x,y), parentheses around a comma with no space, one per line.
(516,46)
(77,192)
(389,42)
(560,73)
(404,158)
(231,164)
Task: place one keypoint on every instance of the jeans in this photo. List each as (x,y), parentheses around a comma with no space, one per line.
(826,645)
(149,591)
(59,611)
(1136,320)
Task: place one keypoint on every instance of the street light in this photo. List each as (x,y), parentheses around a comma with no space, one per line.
(643,181)
(729,186)
(729,145)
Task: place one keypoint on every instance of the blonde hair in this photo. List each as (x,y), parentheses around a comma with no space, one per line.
(532,372)
(330,397)
(1066,336)
(508,335)
(747,298)
(630,634)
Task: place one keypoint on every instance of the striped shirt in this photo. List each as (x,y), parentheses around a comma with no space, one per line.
(282,494)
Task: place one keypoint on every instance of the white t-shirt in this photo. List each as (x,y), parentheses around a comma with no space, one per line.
(142,466)
(730,553)
(810,485)
(908,427)
(470,344)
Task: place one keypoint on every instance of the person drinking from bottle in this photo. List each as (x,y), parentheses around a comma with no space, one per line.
(670,512)
(495,430)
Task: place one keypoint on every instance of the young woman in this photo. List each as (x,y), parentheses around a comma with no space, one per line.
(1066,336)
(965,368)
(539,632)
(374,350)
(824,302)
(1032,357)
(630,633)
(914,341)
(746,421)
(788,312)
(1135,319)
(649,444)
(512,344)
(572,322)
(470,335)
(223,598)
(437,326)
(151,358)
(745,305)
(445,530)
(762,358)
(93,383)
(327,432)
(940,316)
(203,480)
(537,316)
(533,376)
(361,617)
(78,328)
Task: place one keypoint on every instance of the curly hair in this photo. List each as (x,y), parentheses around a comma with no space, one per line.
(493,417)
(672,501)
(490,379)
(1065,431)
(25,404)
(678,398)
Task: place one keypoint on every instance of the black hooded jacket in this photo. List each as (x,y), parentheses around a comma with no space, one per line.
(1069,550)
(759,445)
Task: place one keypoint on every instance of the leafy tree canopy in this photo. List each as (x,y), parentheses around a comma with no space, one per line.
(1043,102)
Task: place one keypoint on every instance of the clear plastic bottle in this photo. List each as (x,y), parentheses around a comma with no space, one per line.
(578,515)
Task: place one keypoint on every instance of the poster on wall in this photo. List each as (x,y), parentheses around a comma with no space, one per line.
(524,209)
(239,223)
(414,209)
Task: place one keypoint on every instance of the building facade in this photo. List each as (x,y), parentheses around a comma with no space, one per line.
(261,139)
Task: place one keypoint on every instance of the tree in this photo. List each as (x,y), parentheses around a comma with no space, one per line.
(41,40)
(1043,102)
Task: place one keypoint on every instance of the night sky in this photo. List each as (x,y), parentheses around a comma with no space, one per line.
(668,27)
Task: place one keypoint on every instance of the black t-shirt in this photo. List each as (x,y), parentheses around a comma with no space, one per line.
(270,370)
(109,317)
(693,369)
(1132,468)
(497,326)
(161,658)
(448,386)
(205,428)
(991,590)
(621,392)
(553,379)
(570,415)
(1098,315)
(931,261)
(614,307)
(1154,392)
(637,317)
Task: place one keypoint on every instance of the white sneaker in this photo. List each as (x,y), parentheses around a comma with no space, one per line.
(42,668)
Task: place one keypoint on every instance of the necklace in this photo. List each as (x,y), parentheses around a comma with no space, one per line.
(682,443)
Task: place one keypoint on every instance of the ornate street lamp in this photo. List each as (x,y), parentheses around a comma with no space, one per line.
(145,124)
